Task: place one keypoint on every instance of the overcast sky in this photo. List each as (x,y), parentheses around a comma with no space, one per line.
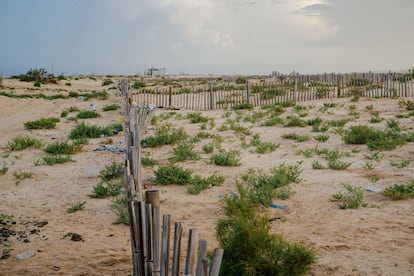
(206,36)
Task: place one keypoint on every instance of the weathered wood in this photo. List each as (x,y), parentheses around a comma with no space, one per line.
(202,256)
(178,231)
(190,261)
(215,265)
(165,245)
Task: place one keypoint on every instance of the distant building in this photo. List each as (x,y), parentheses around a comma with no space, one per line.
(154,71)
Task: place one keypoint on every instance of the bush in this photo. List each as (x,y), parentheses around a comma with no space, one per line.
(400,191)
(294,121)
(227,158)
(60,148)
(105,189)
(164,135)
(338,165)
(107,82)
(249,249)
(23,142)
(43,123)
(55,159)
(110,107)
(82,130)
(185,151)
(241,80)
(112,171)
(120,207)
(196,117)
(172,174)
(86,114)
(199,183)
(296,137)
(138,84)
(353,198)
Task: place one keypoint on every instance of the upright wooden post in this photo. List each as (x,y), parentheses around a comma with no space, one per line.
(215,265)
(165,245)
(296,90)
(169,96)
(201,258)
(153,198)
(190,261)
(178,231)
(210,88)
(247,93)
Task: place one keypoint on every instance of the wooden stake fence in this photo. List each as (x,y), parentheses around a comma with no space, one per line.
(150,238)
(281,88)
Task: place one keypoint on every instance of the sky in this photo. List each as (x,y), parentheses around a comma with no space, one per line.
(205,36)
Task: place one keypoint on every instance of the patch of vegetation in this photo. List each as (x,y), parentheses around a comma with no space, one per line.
(369,165)
(172,174)
(400,191)
(227,158)
(296,137)
(107,82)
(185,151)
(37,75)
(3,169)
(321,138)
(208,148)
(243,106)
(338,165)
(400,165)
(294,121)
(120,207)
(197,117)
(243,233)
(111,171)
(43,123)
(82,130)
(138,84)
(148,162)
(20,175)
(199,183)
(78,206)
(165,135)
(64,147)
(54,159)
(105,189)
(316,165)
(87,114)
(353,198)
(266,147)
(23,142)
(110,107)
(377,156)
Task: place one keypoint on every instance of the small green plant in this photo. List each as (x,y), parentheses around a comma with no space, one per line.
(82,130)
(185,151)
(377,156)
(120,206)
(43,123)
(105,189)
(78,206)
(400,165)
(338,165)
(3,169)
(107,82)
(138,84)
(110,107)
(316,165)
(321,137)
(196,117)
(22,175)
(294,121)
(111,171)
(226,158)
(61,148)
(296,137)
(165,135)
(198,183)
(373,178)
(369,165)
(400,191)
(353,198)
(375,119)
(208,148)
(87,114)
(23,142)
(266,147)
(52,159)
(148,162)
(284,192)
(172,174)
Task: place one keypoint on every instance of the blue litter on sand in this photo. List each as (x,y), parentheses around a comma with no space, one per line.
(274,205)
(110,148)
(369,190)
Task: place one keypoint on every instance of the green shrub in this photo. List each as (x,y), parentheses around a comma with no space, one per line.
(294,121)
(110,107)
(196,117)
(3,169)
(23,142)
(321,138)
(22,175)
(148,162)
(185,151)
(120,207)
(55,159)
(43,123)
(338,165)
(243,106)
(296,137)
(64,114)
(105,189)
(61,148)
(227,158)
(208,148)
(172,174)
(241,80)
(138,84)
(78,206)
(316,165)
(86,114)
(107,82)
(165,135)
(353,198)
(400,191)
(199,183)
(249,249)
(112,171)
(82,130)
(266,147)
(401,164)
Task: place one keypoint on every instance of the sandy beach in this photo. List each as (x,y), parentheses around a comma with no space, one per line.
(374,240)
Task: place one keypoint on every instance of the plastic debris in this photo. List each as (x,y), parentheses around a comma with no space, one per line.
(110,148)
(276,206)
(25,255)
